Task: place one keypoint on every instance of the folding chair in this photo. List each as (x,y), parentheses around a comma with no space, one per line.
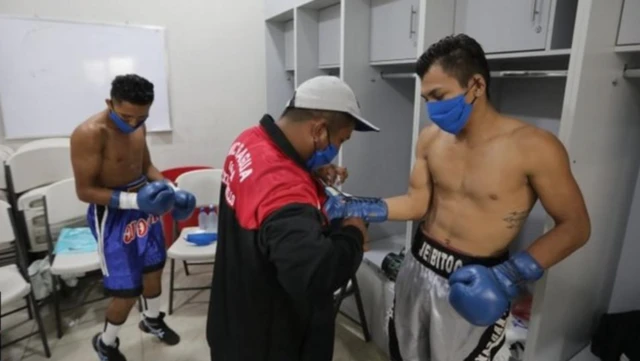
(34,165)
(14,283)
(61,206)
(5,153)
(205,185)
(352,289)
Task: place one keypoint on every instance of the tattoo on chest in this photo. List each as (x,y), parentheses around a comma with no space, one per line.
(515,219)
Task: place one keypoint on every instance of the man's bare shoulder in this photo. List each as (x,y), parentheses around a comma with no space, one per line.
(425,139)
(427,135)
(538,145)
(89,133)
(528,135)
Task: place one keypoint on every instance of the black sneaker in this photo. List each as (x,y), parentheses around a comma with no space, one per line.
(157,327)
(107,353)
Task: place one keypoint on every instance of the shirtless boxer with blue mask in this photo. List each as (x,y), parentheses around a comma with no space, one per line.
(476,177)
(127,196)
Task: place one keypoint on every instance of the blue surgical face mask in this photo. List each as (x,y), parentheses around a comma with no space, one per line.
(322,157)
(451,115)
(122,125)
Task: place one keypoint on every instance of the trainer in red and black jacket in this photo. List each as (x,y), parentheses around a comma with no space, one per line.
(278,262)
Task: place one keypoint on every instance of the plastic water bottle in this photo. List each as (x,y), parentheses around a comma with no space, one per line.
(212,220)
(202,219)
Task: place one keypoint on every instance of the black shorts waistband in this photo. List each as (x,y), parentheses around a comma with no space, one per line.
(133,186)
(444,261)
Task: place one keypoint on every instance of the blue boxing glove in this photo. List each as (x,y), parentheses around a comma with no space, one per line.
(482,295)
(184,205)
(340,205)
(154,198)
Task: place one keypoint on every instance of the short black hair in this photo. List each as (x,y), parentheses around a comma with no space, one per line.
(460,56)
(335,120)
(132,88)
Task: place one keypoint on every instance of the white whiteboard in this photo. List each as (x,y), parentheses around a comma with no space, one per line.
(55,74)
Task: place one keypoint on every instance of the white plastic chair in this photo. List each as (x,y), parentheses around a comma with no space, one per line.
(44,143)
(5,153)
(13,280)
(205,185)
(62,204)
(6,149)
(38,166)
(34,165)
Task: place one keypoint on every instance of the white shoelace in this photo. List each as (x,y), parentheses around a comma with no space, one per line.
(155,331)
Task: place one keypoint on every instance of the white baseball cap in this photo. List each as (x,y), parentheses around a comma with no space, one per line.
(330,93)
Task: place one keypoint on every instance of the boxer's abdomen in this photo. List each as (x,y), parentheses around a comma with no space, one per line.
(476,226)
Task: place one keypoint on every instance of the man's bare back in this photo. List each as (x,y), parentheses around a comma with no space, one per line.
(481,194)
(100,148)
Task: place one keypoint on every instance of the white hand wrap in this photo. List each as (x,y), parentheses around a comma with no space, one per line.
(128,200)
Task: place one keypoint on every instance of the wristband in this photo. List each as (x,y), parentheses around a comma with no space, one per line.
(123,200)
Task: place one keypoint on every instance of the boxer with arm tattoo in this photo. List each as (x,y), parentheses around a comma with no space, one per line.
(477,175)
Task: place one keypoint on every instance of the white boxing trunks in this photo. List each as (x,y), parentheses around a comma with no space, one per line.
(424,326)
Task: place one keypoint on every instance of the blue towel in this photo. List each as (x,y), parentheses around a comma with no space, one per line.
(76,240)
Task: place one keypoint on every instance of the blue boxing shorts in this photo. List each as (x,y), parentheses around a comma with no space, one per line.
(130,244)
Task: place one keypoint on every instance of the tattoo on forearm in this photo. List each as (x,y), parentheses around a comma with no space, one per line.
(515,219)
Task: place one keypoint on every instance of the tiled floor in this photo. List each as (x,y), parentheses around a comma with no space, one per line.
(188,320)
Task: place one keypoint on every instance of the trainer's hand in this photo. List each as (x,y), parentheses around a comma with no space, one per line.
(482,295)
(332,175)
(339,205)
(185,203)
(155,198)
(359,223)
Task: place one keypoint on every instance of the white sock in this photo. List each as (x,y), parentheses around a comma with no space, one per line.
(110,333)
(152,307)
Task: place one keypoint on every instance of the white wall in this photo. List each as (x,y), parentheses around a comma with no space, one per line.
(217,73)
(626,289)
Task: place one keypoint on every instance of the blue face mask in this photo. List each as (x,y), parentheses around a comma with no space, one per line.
(122,125)
(451,115)
(322,157)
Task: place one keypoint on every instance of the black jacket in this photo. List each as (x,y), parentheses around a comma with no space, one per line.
(277,263)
